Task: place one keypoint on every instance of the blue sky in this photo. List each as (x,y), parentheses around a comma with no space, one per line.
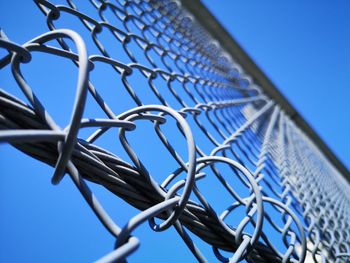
(303,47)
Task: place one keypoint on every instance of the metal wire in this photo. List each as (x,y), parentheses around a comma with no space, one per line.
(281,178)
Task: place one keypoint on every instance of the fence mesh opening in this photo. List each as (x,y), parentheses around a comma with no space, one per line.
(150,107)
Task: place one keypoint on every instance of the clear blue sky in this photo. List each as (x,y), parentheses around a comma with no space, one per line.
(303,47)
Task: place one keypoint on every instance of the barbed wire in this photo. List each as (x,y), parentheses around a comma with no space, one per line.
(231,131)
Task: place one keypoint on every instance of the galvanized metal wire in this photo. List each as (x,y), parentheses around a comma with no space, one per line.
(284,180)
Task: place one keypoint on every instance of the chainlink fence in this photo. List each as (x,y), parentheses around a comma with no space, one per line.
(202,121)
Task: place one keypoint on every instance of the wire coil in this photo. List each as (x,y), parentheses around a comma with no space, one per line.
(278,172)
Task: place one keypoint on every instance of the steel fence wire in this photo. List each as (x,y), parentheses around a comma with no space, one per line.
(285,200)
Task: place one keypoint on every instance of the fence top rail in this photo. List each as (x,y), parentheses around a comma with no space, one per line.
(218,32)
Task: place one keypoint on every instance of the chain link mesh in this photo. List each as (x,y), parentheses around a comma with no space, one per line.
(285,201)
